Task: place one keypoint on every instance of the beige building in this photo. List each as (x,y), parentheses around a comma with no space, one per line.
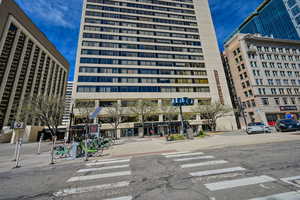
(266,76)
(29,63)
(154,50)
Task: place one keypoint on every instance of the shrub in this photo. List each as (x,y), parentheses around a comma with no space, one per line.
(176,137)
(201,134)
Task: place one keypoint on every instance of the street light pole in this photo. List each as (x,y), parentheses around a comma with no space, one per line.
(182,121)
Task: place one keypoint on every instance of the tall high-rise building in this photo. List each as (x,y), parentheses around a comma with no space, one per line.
(154,50)
(265,77)
(68,103)
(273,18)
(29,63)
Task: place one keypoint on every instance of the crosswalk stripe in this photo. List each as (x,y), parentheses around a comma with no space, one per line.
(108,162)
(213,162)
(102,168)
(174,153)
(98,176)
(290,180)
(194,158)
(218,171)
(281,196)
(112,159)
(239,182)
(184,154)
(121,198)
(94,188)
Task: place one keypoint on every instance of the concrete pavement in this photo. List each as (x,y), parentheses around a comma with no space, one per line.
(251,172)
(158,145)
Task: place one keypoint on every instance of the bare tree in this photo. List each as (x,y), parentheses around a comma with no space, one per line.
(212,112)
(143,109)
(49,110)
(85,108)
(170,112)
(115,113)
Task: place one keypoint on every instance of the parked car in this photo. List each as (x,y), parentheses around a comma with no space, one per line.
(258,127)
(287,125)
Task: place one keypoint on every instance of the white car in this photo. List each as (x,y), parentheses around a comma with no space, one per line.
(258,127)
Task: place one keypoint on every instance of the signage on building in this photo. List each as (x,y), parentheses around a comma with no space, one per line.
(19,125)
(94,114)
(183,101)
(288,108)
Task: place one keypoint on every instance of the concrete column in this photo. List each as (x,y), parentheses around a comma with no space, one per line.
(118,133)
(53,84)
(26,78)
(42,75)
(161,118)
(48,76)
(17,77)
(35,73)
(140,131)
(119,102)
(8,66)
(35,77)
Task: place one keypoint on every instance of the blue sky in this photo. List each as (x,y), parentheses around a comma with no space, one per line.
(60,20)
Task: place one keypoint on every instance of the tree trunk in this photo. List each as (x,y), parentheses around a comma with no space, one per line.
(86,145)
(52,150)
(213,126)
(143,125)
(115,134)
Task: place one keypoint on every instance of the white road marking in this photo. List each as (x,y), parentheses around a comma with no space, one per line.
(194,158)
(174,153)
(94,188)
(121,198)
(281,196)
(218,171)
(108,162)
(239,182)
(290,180)
(102,168)
(98,176)
(185,154)
(213,162)
(111,159)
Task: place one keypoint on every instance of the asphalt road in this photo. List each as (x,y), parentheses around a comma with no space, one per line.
(237,173)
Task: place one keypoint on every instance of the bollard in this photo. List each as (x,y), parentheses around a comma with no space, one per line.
(18,153)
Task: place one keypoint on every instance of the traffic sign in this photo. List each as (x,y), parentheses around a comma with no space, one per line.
(19,125)
(94,114)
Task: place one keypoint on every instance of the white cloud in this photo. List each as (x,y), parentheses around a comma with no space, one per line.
(57,12)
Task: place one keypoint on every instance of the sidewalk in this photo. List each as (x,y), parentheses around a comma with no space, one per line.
(139,147)
(28,157)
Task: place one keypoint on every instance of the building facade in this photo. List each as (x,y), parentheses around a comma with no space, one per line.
(68,103)
(266,77)
(153,50)
(273,18)
(29,63)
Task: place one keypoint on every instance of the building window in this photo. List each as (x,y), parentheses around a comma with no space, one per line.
(277,101)
(265,101)
(293,100)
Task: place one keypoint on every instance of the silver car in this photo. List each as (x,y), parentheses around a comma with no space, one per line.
(258,127)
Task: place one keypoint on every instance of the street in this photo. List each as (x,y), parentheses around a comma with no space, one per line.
(232,173)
